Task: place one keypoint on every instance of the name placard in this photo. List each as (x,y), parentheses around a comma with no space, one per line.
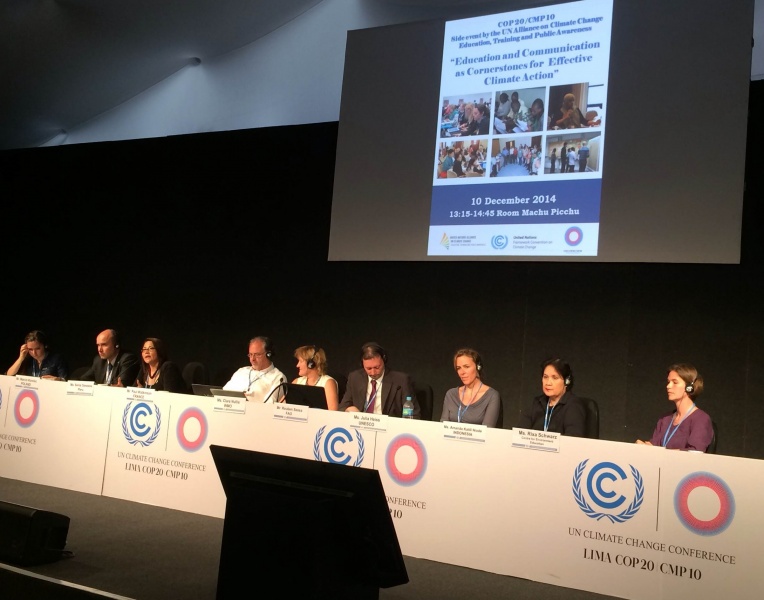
(530,439)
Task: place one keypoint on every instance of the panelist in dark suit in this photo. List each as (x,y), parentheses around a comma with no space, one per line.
(558,409)
(377,389)
(112,366)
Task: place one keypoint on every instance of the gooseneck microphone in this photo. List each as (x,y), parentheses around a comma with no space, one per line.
(282,382)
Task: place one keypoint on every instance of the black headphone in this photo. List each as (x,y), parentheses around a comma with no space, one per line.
(267,346)
(374,349)
(311,363)
(690,387)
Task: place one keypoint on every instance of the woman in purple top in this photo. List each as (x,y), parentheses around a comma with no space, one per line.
(688,427)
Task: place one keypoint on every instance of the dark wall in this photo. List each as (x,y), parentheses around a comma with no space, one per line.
(207,240)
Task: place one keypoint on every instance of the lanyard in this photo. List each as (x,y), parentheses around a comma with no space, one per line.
(548,415)
(459,411)
(669,434)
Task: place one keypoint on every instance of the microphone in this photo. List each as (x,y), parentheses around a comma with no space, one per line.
(282,382)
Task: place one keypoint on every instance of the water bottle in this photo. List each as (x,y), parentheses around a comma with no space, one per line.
(408,408)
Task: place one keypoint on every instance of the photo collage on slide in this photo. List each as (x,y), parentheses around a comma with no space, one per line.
(514,133)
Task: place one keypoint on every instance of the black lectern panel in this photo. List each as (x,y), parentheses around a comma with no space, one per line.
(30,536)
(304,528)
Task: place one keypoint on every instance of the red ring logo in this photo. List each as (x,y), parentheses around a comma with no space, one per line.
(192,445)
(726,503)
(410,441)
(30,395)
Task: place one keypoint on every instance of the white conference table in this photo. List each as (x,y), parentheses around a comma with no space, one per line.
(607,517)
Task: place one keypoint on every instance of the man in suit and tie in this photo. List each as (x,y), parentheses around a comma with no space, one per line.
(377,389)
(112,366)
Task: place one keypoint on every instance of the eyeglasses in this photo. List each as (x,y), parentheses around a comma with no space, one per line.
(148,349)
(256,355)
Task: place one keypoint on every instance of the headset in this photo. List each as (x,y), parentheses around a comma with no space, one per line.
(690,387)
(374,349)
(567,381)
(267,345)
(311,362)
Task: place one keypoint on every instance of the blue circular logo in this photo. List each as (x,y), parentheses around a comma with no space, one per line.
(499,242)
(338,446)
(573,236)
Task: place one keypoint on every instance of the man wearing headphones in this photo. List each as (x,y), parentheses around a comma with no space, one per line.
(261,381)
(112,366)
(375,389)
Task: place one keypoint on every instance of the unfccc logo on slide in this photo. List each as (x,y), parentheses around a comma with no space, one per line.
(704,503)
(406,460)
(192,429)
(499,242)
(141,423)
(27,408)
(606,483)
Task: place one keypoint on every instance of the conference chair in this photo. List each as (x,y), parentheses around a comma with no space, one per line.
(424,398)
(196,372)
(78,372)
(712,446)
(500,419)
(342,384)
(592,418)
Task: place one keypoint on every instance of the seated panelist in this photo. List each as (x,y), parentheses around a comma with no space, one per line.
(157,372)
(687,427)
(473,402)
(36,360)
(557,409)
(377,389)
(112,366)
(311,370)
(260,381)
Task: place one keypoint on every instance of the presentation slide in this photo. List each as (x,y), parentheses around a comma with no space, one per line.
(519,145)
(481,137)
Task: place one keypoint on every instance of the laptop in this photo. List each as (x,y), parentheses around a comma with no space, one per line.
(305,395)
(216,391)
(201,389)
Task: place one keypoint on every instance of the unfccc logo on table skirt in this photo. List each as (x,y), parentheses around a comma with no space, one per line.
(606,487)
(406,460)
(192,429)
(338,446)
(141,423)
(704,503)
(27,408)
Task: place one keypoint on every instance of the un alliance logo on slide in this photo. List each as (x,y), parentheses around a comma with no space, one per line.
(339,446)
(141,423)
(601,492)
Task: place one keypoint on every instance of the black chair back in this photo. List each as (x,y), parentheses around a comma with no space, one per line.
(424,398)
(592,418)
(196,372)
(712,446)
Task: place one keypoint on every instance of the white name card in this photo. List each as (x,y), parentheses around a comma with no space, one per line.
(531,439)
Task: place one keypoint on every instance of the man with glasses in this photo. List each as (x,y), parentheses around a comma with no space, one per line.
(261,381)
(112,366)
